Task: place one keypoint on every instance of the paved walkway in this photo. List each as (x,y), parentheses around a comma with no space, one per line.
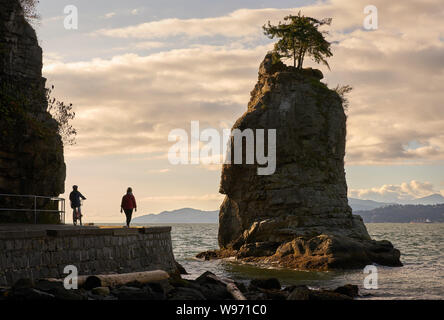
(36,227)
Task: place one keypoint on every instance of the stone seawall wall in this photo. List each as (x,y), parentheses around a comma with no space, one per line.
(45,253)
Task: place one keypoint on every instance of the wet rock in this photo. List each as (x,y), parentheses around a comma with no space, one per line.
(271,283)
(182,293)
(180,268)
(45,285)
(23,283)
(27,294)
(299,293)
(133,293)
(208,278)
(349,290)
(206,284)
(241,286)
(208,255)
(57,289)
(257,249)
(159,290)
(304,293)
(63,294)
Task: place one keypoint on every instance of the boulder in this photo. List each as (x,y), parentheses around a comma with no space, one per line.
(134,293)
(271,283)
(299,215)
(57,289)
(348,290)
(23,283)
(300,293)
(182,293)
(211,287)
(304,293)
(180,268)
(29,294)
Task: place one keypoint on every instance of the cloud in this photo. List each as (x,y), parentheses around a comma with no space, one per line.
(149,45)
(109,15)
(159,170)
(240,23)
(205,197)
(395,193)
(129,103)
(52,19)
(52,57)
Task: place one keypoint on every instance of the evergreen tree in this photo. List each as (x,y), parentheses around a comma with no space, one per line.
(299,37)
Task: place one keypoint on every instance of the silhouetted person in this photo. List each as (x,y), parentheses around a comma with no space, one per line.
(128,205)
(75,197)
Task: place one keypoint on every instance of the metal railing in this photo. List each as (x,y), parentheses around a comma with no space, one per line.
(60,205)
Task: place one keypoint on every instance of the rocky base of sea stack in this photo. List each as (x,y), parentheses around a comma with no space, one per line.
(322,252)
(205,287)
(297,217)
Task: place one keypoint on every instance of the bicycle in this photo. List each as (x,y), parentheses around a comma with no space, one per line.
(77,214)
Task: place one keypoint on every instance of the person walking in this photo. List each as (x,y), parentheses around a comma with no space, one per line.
(75,197)
(128,205)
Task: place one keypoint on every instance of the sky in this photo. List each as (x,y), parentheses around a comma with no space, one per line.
(135,70)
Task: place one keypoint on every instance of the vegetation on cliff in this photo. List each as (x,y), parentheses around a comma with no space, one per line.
(63,114)
(300,37)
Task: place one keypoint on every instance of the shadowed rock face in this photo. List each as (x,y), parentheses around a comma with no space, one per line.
(31,150)
(298,216)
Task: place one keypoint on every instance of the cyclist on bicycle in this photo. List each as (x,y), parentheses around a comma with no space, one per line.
(75,197)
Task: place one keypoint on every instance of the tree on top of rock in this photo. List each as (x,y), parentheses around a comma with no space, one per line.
(299,36)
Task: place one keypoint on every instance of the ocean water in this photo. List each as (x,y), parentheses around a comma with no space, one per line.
(421,277)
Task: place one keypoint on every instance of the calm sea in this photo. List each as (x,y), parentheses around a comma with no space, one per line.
(421,277)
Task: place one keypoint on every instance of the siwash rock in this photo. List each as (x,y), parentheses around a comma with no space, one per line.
(299,216)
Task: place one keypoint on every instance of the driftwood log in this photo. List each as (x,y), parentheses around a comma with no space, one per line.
(112,280)
(231,287)
(80,280)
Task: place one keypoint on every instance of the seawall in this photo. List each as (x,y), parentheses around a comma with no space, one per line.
(37,254)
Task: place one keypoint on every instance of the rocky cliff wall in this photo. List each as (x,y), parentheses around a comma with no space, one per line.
(298,216)
(31,150)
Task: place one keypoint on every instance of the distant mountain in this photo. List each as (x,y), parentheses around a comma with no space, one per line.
(432,199)
(404,213)
(371,211)
(185,215)
(362,205)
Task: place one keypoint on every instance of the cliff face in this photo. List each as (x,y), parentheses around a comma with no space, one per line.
(298,216)
(31,150)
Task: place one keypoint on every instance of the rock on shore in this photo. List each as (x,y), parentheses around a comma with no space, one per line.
(299,216)
(205,287)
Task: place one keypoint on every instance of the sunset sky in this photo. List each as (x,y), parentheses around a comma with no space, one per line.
(137,69)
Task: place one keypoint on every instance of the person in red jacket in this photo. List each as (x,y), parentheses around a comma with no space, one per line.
(128,205)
